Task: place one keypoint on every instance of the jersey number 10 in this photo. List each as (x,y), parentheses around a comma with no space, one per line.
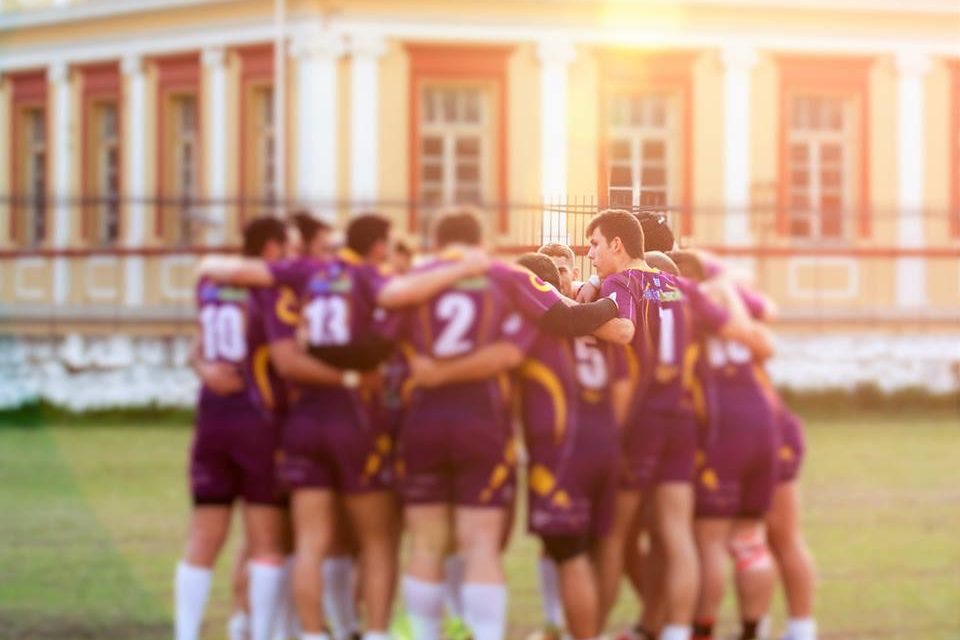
(224,337)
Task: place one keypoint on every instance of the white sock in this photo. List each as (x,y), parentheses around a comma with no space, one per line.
(452,584)
(376,635)
(192,586)
(676,632)
(263,592)
(238,626)
(338,591)
(802,629)
(424,603)
(485,610)
(314,636)
(550,592)
(286,626)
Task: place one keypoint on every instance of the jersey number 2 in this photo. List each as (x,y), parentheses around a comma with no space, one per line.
(458,311)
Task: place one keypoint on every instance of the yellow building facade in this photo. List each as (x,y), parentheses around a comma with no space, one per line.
(815,142)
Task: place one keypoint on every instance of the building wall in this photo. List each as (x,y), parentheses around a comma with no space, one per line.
(863,277)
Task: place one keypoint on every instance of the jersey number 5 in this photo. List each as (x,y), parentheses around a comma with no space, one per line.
(224,337)
(591,365)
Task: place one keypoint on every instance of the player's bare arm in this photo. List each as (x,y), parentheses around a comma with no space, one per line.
(741,328)
(621,395)
(219,377)
(236,270)
(414,288)
(483,363)
(617,331)
(293,364)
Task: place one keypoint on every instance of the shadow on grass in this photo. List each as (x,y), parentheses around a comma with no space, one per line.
(43,414)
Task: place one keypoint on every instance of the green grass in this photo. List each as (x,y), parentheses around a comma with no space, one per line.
(94,518)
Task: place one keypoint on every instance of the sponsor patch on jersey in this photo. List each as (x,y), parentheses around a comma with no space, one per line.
(477,283)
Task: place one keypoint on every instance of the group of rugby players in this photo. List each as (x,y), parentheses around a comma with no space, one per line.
(350,396)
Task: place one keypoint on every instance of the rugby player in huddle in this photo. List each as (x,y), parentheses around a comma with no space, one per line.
(606,405)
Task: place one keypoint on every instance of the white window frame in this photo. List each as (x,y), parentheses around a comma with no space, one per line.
(815,140)
(109,197)
(181,140)
(449,133)
(35,155)
(635,136)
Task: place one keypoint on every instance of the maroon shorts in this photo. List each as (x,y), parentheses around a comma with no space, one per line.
(234,456)
(739,470)
(332,440)
(659,448)
(465,460)
(572,492)
(793,446)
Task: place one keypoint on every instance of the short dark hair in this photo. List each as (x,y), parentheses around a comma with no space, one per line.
(365,231)
(660,260)
(259,232)
(657,235)
(401,247)
(542,266)
(617,223)
(307,225)
(462,225)
(558,250)
(689,263)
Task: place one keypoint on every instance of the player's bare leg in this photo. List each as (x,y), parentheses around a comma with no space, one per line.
(712,535)
(372,516)
(673,519)
(340,579)
(611,549)
(755,575)
(654,613)
(313,513)
(209,526)
(238,626)
(579,591)
(479,536)
(429,531)
(794,560)
(264,538)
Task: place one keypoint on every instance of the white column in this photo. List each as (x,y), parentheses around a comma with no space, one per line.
(911,272)
(364,117)
(58,77)
(737,65)
(317,55)
(135,169)
(555,57)
(738,62)
(215,142)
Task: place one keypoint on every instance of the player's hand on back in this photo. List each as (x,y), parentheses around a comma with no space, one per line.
(475,261)
(221,378)
(587,293)
(424,371)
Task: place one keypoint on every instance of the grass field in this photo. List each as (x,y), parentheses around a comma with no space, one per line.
(93,519)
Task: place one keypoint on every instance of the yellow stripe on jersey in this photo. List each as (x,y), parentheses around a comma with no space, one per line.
(539,372)
(542,481)
(350,256)
(261,374)
(633,365)
(286,307)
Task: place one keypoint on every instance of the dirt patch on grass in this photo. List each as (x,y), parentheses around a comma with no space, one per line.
(34,626)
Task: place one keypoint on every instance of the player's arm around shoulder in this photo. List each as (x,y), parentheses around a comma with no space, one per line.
(236,270)
(621,329)
(419,286)
(480,364)
(292,363)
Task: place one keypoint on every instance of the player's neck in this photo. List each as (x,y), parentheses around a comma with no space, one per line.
(632,263)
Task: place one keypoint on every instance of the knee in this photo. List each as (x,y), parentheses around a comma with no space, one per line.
(749,551)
